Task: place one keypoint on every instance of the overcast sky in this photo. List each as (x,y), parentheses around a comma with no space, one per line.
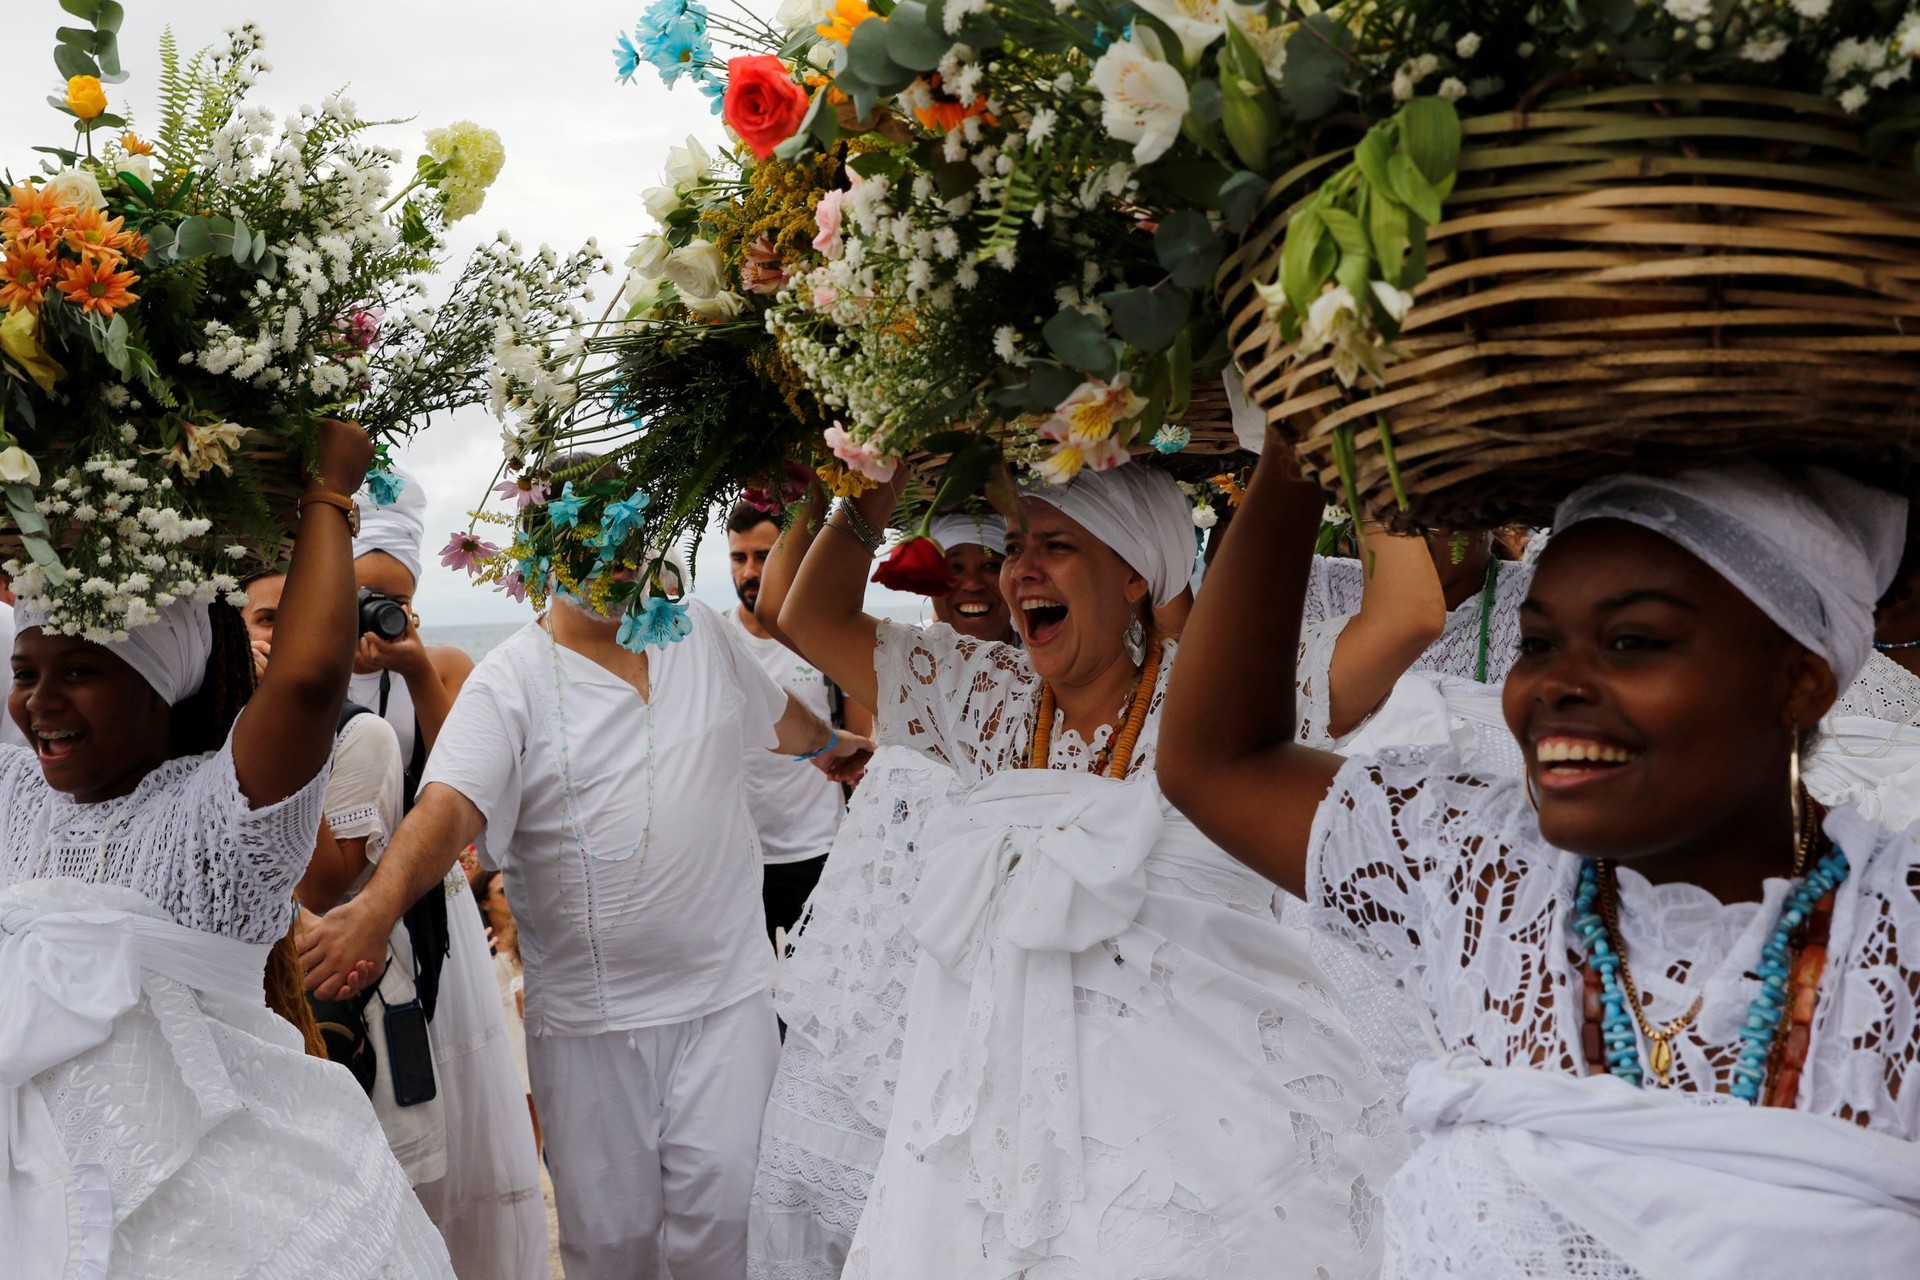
(580,149)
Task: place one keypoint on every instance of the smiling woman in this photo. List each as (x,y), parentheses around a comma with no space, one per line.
(1655,912)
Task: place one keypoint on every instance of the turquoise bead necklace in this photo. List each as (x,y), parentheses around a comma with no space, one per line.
(1765,1015)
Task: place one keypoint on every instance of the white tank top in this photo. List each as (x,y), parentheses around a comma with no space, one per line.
(365,690)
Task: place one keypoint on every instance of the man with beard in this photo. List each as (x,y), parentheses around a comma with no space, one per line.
(796,807)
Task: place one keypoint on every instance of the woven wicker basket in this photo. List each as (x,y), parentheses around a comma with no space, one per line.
(1635,278)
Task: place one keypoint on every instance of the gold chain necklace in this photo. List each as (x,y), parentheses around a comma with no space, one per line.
(1039,757)
(1660,1058)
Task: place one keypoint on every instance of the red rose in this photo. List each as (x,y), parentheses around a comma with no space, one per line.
(917,565)
(762,103)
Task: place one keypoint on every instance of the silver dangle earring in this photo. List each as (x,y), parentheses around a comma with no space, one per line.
(1136,642)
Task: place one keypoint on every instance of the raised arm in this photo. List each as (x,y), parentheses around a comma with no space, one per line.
(1402,611)
(823,615)
(1227,757)
(783,564)
(285,734)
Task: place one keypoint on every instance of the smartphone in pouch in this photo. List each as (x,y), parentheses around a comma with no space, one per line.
(409,1054)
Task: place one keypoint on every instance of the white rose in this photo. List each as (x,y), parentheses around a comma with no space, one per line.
(77,186)
(687,165)
(649,257)
(18,467)
(1205,517)
(660,202)
(796,15)
(140,166)
(721,306)
(697,270)
(642,294)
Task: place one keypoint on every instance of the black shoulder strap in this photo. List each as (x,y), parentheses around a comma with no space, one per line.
(350,712)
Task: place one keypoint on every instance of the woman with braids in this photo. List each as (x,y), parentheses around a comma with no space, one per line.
(1117,1063)
(162,1121)
(1670,999)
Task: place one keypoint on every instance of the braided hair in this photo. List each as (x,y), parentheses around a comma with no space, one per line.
(200,723)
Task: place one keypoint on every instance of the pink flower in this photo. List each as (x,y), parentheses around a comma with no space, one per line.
(1093,412)
(827,216)
(523,492)
(515,586)
(363,326)
(825,295)
(795,480)
(762,272)
(866,458)
(467,551)
(1068,457)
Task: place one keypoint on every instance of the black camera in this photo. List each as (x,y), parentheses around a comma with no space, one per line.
(382,615)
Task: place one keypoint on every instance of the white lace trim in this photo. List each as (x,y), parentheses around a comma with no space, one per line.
(1335,590)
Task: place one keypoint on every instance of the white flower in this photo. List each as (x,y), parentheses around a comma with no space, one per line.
(18,467)
(1811,10)
(1452,89)
(1906,38)
(1269,41)
(1467,45)
(688,165)
(660,202)
(1195,23)
(76,186)
(1205,517)
(1764,50)
(649,258)
(1688,10)
(721,306)
(1395,302)
(140,166)
(1853,99)
(697,269)
(1041,127)
(1142,100)
(802,15)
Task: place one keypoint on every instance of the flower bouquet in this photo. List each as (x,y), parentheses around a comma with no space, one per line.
(182,303)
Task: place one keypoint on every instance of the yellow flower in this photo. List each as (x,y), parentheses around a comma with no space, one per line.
(843,482)
(85,97)
(20,340)
(847,14)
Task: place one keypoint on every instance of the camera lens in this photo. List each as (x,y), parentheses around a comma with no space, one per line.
(381,615)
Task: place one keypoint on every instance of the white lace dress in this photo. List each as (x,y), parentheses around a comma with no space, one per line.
(1443,889)
(1884,690)
(842,992)
(1337,584)
(224,1149)
(1118,1063)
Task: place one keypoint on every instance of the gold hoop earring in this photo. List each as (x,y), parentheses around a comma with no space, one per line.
(1797,804)
(1526,784)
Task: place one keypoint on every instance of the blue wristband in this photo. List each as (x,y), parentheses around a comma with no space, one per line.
(832,742)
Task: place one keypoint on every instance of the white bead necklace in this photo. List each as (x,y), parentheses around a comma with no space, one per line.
(597,911)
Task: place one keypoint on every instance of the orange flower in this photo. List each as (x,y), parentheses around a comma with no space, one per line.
(134,145)
(846,15)
(91,234)
(1229,485)
(946,112)
(30,268)
(34,215)
(97,287)
(818,80)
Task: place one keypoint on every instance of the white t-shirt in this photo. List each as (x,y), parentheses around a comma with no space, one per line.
(621,825)
(796,807)
(10,734)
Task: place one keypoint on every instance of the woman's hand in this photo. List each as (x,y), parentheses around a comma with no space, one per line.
(342,455)
(847,760)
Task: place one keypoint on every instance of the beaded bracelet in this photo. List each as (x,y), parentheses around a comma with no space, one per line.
(857,526)
(832,742)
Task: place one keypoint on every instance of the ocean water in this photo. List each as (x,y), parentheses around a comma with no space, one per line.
(477,641)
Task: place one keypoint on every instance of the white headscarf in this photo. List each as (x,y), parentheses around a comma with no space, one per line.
(397,528)
(1140,514)
(958,527)
(1814,550)
(170,653)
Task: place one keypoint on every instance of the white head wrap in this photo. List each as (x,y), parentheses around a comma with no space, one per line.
(1140,514)
(170,653)
(397,528)
(957,527)
(1815,551)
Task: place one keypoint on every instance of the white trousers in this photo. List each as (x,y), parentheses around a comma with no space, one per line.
(652,1139)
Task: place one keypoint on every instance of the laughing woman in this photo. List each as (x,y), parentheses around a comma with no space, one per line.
(1654,918)
(161,1121)
(1117,1063)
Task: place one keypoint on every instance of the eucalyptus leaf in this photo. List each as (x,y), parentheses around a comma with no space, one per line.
(194,239)
(875,164)
(108,15)
(72,62)
(80,38)
(1240,198)
(1149,319)
(867,55)
(106,48)
(1205,102)
(1049,383)
(1079,340)
(1187,247)
(1316,71)
(912,39)
(85,10)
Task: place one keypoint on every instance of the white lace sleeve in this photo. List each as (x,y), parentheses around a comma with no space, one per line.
(966,703)
(364,795)
(1333,589)
(1313,674)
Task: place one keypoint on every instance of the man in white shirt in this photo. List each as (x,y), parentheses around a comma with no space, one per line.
(608,788)
(796,809)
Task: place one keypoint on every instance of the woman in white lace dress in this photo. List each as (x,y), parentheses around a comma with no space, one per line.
(162,1123)
(1612,983)
(1118,1063)
(842,987)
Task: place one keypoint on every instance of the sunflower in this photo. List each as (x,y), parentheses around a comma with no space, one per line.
(28,273)
(97,287)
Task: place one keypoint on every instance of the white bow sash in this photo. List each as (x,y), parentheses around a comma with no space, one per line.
(1684,1189)
(1045,863)
(66,977)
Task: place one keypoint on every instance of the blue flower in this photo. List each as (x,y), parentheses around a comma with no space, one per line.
(626,59)
(621,518)
(1172,438)
(657,623)
(383,486)
(672,36)
(565,510)
(715,88)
